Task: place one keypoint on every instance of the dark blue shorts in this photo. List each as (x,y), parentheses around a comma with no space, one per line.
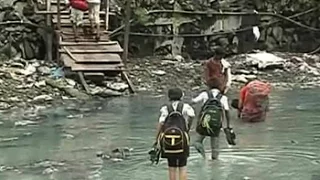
(177,162)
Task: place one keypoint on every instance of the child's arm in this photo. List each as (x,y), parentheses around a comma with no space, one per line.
(191,115)
(162,118)
(159,127)
(242,95)
(227,115)
(197,99)
(228,80)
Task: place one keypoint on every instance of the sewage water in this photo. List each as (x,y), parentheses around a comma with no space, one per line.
(285,147)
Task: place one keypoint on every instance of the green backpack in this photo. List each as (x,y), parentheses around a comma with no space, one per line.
(210,120)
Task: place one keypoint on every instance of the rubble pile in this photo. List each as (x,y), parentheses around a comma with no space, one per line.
(283,70)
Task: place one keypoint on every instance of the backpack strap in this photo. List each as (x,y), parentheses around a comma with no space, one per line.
(219,96)
(210,95)
(170,108)
(179,107)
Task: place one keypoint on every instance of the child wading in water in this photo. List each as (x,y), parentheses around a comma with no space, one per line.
(214,110)
(173,133)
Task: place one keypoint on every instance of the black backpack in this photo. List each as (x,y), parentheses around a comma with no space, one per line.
(210,119)
(174,139)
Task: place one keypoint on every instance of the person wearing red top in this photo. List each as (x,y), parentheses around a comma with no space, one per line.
(216,69)
(253,102)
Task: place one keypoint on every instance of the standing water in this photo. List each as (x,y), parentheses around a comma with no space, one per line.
(285,147)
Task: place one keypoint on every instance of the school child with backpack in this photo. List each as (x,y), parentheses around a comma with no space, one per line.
(172,137)
(214,111)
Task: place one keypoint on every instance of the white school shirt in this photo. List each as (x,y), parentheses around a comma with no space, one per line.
(187,111)
(204,97)
(226,66)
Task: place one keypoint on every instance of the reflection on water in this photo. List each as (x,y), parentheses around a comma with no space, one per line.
(285,147)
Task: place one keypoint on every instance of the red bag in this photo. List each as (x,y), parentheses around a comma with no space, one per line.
(81,5)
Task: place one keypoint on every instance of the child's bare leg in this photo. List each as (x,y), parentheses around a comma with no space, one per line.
(91,16)
(183,173)
(97,20)
(98,32)
(172,173)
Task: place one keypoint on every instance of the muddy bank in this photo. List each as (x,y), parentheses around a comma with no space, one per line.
(283,70)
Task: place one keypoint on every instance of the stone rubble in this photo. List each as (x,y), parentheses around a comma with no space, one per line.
(24,83)
(283,70)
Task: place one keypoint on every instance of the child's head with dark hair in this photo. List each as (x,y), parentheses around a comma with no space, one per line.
(219,53)
(213,83)
(175,94)
(234,103)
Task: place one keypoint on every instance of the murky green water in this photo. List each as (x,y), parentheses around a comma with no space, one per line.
(285,147)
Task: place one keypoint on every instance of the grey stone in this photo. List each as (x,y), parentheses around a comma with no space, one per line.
(44,70)
(43,98)
(25,123)
(158,72)
(117,86)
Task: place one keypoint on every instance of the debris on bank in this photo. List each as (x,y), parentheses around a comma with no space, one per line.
(27,82)
(283,70)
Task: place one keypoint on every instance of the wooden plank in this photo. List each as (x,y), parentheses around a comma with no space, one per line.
(112,47)
(68,62)
(97,58)
(93,74)
(79,51)
(94,49)
(67,21)
(67,16)
(82,33)
(84,38)
(87,43)
(96,67)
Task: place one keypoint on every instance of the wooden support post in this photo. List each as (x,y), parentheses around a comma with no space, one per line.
(59,15)
(58,32)
(107,6)
(126,78)
(127,32)
(49,35)
(83,82)
(177,42)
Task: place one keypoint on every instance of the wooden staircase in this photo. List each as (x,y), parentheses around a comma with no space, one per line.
(86,55)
